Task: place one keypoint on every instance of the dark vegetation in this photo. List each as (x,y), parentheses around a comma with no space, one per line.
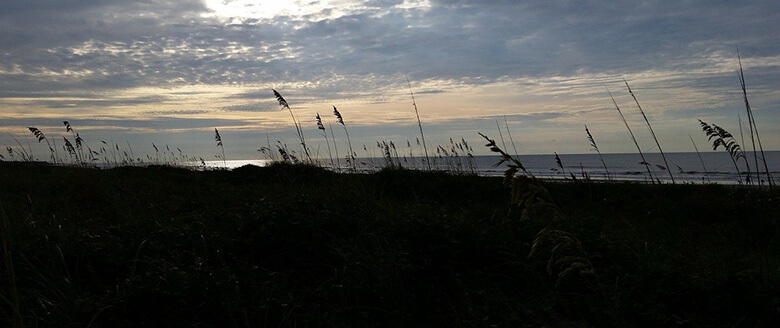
(297,245)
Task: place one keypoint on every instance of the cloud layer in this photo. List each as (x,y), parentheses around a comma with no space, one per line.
(540,63)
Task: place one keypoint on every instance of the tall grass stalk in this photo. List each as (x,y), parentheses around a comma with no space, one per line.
(112,146)
(503,144)
(132,155)
(59,159)
(77,140)
(721,137)
(560,164)
(298,129)
(325,135)
(509,132)
(268,141)
(349,141)
(71,151)
(469,152)
(29,146)
(335,146)
(156,153)
(706,173)
(419,123)
(267,150)
(741,134)
(41,137)
(513,164)
(753,128)
(26,157)
(651,130)
(596,148)
(218,139)
(644,162)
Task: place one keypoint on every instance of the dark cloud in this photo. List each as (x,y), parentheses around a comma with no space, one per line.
(252,107)
(82,101)
(86,51)
(121,44)
(431,92)
(101,103)
(160,122)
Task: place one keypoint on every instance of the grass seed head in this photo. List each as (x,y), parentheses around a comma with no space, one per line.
(280,99)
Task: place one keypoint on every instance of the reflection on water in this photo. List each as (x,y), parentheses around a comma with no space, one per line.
(232,164)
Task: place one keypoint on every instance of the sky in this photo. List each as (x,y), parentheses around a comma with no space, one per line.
(169,72)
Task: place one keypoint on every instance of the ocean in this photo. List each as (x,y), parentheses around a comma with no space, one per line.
(685,166)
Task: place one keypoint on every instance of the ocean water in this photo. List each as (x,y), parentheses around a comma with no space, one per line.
(686,167)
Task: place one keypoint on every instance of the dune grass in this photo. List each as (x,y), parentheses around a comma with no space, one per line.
(595,147)
(633,138)
(754,136)
(419,124)
(652,133)
(218,140)
(296,245)
(722,138)
(298,128)
(352,156)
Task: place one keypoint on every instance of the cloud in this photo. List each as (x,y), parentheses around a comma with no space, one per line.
(252,107)
(116,44)
(430,92)
(50,125)
(521,58)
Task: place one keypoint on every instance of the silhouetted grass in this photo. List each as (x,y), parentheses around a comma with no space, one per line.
(720,137)
(633,138)
(298,245)
(650,127)
(753,129)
